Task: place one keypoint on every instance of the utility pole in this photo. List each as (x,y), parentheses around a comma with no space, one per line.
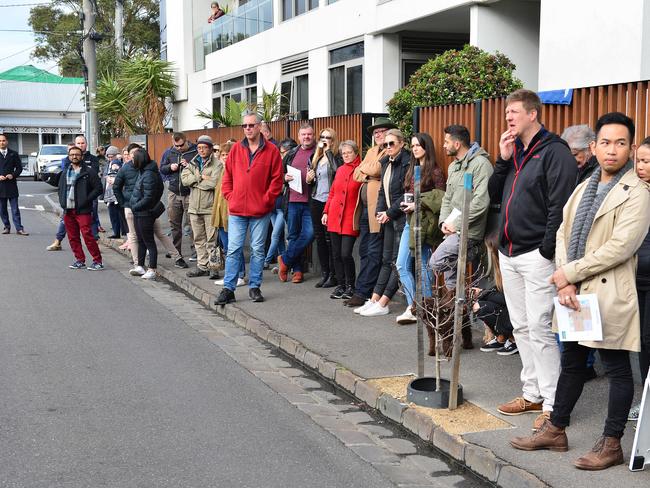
(119,28)
(90,60)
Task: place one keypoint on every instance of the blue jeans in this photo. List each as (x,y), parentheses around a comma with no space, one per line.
(277,245)
(370,247)
(15,213)
(60,230)
(223,238)
(95,221)
(301,233)
(237,228)
(403,264)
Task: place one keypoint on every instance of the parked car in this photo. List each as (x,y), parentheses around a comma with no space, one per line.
(49,156)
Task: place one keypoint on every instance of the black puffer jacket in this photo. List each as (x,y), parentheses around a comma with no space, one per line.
(400,166)
(174,177)
(532,188)
(87,187)
(124,184)
(147,191)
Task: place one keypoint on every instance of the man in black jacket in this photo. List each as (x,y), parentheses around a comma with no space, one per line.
(92,161)
(178,196)
(532,180)
(79,186)
(10,169)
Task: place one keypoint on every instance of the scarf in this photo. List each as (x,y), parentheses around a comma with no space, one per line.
(585,214)
(71,177)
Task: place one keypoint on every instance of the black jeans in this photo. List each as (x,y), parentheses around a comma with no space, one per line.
(644,312)
(572,379)
(146,241)
(118,220)
(495,317)
(322,237)
(388,279)
(342,246)
(370,246)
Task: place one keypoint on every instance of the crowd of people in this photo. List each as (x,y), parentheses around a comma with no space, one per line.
(574,219)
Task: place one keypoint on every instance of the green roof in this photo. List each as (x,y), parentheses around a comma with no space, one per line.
(36,75)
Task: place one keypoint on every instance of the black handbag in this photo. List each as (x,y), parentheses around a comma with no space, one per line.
(157,210)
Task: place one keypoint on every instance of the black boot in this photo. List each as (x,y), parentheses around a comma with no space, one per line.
(331,282)
(324,277)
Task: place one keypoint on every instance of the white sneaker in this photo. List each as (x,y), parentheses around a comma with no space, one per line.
(363,307)
(150,275)
(137,271)
(407,317)
(240,282)
(375,310)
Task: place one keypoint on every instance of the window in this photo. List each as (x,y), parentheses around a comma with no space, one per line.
(346,79)
(239,88)
(295,96)
(291,8)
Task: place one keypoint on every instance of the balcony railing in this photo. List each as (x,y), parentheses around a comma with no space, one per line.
(251,18)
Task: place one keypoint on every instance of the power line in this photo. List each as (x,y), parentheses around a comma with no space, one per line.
(60,33)
(19,52)
(24,4)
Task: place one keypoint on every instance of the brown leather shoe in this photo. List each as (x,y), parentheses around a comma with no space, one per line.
(297,277)
(547,437)
(606,452)
(283,270)
(355,301)
(519,406)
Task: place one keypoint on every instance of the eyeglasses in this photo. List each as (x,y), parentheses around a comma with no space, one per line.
(378,131)
(179,145)
(248,126)
(388,144)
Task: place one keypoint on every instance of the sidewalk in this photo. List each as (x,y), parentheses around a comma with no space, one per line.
(349,349)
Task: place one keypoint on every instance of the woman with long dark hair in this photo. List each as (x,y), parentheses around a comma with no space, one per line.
(432,184)
(324,163)
(146,208)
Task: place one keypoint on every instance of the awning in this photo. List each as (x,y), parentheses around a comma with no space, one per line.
(55,122)
(557,97)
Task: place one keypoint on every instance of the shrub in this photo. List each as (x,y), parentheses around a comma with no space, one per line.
(453,77)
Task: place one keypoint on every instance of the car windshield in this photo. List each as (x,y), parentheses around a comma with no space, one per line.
(54,150)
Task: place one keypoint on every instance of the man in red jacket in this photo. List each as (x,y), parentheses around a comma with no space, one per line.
(252,180)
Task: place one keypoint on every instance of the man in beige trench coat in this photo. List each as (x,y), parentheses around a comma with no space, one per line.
(604,222)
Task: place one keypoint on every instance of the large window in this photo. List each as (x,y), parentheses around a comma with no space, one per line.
(239,88)
(346,79)
(291,8)
(295,96)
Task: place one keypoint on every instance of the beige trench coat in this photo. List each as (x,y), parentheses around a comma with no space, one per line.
(608,268)
(369,173)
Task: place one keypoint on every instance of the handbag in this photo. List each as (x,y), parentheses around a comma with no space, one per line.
(157,210)
(217,260)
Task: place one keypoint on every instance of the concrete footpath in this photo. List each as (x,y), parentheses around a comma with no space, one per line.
(348,350)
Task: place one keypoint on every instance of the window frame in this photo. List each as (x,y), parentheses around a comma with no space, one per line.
(350,63)
(311,5)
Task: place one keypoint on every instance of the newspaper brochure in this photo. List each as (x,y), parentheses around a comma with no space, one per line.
(296,183)
(579,325)
(453,215)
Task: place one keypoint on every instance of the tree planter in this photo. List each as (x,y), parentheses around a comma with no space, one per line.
(422,392)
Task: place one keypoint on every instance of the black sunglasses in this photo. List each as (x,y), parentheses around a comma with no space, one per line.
(388,144)
(327,137)
(248,126)
(179,145)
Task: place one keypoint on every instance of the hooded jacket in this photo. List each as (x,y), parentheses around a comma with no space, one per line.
(252,182)
(201,189)
(477,162)
(124,184)
(395,190)
(174,177)
(342,200)
(532,188)
(147,191)
(87,187)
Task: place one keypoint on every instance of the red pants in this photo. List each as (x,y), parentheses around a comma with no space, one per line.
(80,223)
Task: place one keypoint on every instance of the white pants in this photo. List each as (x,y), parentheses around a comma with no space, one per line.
(529,297)
(132,239)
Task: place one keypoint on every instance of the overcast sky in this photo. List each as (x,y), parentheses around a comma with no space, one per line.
(15,18)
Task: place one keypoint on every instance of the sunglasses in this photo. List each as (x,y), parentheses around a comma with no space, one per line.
(388,144)
(329,138)
(179,145)
(248,126)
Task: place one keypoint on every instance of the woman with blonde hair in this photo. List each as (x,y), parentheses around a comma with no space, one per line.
(324,163)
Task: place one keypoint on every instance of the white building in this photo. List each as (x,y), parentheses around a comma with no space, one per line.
(38,107)
(332,57)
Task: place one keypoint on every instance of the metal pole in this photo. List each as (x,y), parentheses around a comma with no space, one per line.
(417,233)
(460,293)
(90,58)
(119,28)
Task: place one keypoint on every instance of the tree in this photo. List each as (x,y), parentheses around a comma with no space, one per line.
(57,28)
(453,77)
(232,114)
(133,97)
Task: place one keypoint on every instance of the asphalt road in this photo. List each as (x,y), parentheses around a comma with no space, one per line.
(103,385)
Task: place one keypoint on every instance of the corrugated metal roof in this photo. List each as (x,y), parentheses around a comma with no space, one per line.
(41,97)
(36,75)
(56,122)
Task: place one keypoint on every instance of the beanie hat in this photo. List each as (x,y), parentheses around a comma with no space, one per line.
(205,140)
(112,151)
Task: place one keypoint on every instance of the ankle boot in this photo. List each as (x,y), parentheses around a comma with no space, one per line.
(55,246)
(466,334)
(547,437)
(324,276)
(331,281)
(606,452)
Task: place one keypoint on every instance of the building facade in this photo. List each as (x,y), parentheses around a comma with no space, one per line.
(331,57)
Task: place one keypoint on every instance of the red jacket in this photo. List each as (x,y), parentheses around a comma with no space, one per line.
(251,186)
(342,200)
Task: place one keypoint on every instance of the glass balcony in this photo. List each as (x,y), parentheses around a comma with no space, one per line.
(253,17)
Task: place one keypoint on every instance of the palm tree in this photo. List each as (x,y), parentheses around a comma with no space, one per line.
(231,117)
(113,107)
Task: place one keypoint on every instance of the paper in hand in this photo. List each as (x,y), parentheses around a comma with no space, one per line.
(296,183)
(582,325)
(453,215)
